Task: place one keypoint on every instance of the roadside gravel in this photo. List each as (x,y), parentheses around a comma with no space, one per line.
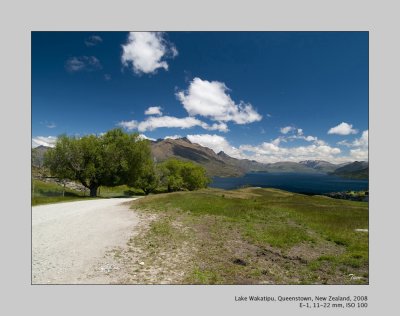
(70,239)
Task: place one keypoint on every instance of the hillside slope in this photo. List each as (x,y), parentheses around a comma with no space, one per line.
(183,149)
(354,170)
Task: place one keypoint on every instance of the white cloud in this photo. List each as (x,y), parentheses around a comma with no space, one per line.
(300,131)
(173,137)
(107,77)
(82,63)
(278,140)
(153,110)
(129,125)
(272,152)
(268,152)
(358,142)
(310,138)
(359,146)
(48,141)
(359,154)
(222,127)
(51,125)
(153,122)
(287,129)
(143,136)
(210,99)
(93,40)
(216,143)
(362,141)
(343,129)
(145,52)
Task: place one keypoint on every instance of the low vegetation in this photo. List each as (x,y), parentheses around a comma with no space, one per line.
(259,236)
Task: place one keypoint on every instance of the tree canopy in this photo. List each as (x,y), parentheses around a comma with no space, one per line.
(183,175)
(111,159)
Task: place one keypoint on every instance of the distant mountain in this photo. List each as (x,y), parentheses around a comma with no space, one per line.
(183,149)
(243,164)
(38,155)
(289,166)
(355,170)
(320,165)
(224,165)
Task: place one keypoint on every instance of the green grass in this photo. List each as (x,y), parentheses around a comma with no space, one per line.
(119,191)
(282,237)
(46,193)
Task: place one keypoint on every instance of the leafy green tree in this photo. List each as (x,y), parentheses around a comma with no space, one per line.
(194,176)
(112,159)
(149,178)
(180,175)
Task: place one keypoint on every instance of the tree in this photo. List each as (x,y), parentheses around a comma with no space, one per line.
(112,159)
(194,176)
(148,179)
(180,175)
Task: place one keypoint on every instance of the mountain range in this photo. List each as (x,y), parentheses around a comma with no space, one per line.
(222,165)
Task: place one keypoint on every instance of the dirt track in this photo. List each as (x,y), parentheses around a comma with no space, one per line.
(70,239)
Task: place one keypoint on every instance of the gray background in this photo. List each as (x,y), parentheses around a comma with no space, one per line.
(18,19)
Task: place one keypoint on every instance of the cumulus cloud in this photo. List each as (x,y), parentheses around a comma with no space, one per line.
(287,129)
(310,138)
(210,99)
(271,152)
(343,129)
(129,125)
(359,146)
(146,52)
(82,63)
(291,133)
(173,137)
(153,110)
(143,136)
(359,154)
(48,141)
(222,127)
(93,40)
(362,141)
(268,152)
(154,122)
(216,143)
(358,142)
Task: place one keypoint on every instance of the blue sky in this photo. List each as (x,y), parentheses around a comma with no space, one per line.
(268,96)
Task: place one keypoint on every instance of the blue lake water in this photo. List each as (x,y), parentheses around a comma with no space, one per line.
(294,182)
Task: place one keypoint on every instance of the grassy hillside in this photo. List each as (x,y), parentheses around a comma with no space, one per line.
(256,236)
(354,170)
(358,174)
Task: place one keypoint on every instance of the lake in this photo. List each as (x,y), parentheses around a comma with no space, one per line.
(294,182)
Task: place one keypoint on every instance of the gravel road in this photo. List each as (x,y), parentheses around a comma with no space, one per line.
(69,239)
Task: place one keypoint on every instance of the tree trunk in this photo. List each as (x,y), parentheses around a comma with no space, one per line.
(93,191)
